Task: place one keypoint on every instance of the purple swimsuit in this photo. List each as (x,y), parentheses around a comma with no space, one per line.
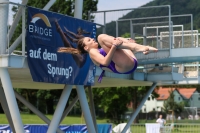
(111,66)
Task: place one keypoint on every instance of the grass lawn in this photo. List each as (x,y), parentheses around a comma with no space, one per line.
(34,119)
(185,126)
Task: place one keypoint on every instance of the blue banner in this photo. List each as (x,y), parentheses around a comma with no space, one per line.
(102,128)
(48,31)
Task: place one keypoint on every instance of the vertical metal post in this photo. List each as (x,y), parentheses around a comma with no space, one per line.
(23,31)
(117,34)
(78,9)
(59,109)
(104,22)
(85,108)
(103,30)
(197,40)
(170,39)
(131,29)
(172,30)
(197,70)
(144,35)
(139,108)
(10,97)
(182,36)
(157,36)
(89,16)
(3,26)
(192,39)
(161,42)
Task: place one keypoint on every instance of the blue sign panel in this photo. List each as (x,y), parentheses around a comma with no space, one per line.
(102,128)
(48,31)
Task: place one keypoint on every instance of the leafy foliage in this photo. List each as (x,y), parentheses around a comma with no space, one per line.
(115,100)
(112,100)
(171,105)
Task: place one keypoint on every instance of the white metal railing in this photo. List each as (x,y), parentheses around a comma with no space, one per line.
(11,25)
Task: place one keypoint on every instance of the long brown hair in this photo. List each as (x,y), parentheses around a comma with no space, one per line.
(80,48)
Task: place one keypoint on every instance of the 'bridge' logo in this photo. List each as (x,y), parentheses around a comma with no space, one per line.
(38,28)
(38,16)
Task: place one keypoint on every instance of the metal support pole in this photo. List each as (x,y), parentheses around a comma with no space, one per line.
(92,108)
(170,39)
(6,110)
(23,30)
(173,39)
(10,97)
(139,108)
(131,30)
(78,9)
(49,4)
(197,40)
(3,26)
(157,37)
(192,31)
(182,36)
(104,22)
(117,30)
(59,109)
(85,108)
(145,35)
(35,110)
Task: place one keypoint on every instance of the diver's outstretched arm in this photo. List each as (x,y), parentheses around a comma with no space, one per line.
(70,38)
(62,35)
(73,34)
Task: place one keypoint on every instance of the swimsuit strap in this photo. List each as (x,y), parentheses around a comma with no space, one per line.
(101,76)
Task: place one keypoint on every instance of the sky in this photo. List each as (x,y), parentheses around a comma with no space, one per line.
(120,4)
(108,5)
(113,4)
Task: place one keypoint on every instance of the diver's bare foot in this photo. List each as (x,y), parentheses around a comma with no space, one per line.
(140,48)
(150,49)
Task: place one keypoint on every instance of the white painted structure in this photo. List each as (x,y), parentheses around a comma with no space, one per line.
(153,104)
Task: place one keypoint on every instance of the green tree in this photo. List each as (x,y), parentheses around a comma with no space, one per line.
(115,100)
(171,106)
(112,100)
(29,95)
(47,99)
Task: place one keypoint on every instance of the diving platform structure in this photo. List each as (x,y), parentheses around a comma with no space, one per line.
(168,66)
